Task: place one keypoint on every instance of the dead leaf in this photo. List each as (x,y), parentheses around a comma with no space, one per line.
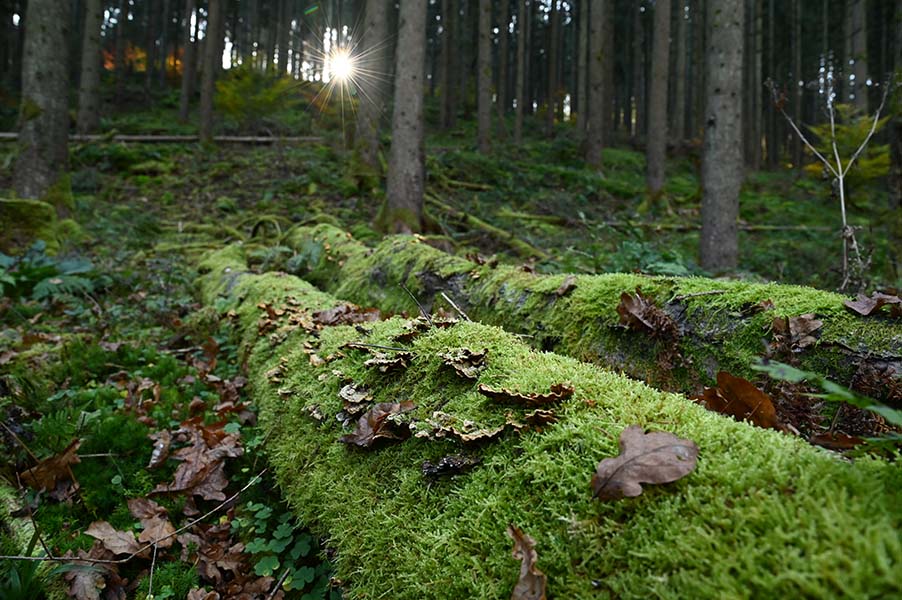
(540,417)
(86,581)
(741,400)
(639,313)
(796,333)
(386,362)
(202,471)
(867,306)
(835,441)
(117,542)
(657,457)
(54,470)
(346,314)
(568,285)
(532,582)
(378,424)
(161,441)
(559,392)
(465,362)
(153,517)
(199,594)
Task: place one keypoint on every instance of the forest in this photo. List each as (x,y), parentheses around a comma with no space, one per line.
(450,299)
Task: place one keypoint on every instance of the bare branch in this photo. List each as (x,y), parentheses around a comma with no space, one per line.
(799,133)
(873,128)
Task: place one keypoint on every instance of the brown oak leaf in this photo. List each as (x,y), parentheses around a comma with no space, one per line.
(741,400)
(346,314)
(657,457)
(153,517)
(50,472)
(377,424)
(532,582)
(796,333)
(117,542)
(868,305)
(640,313)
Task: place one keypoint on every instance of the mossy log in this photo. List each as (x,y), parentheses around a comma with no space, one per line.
(763,515)
(722,325)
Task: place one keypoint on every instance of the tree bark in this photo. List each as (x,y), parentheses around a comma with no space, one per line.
(44,109)
(484,77)
(520,87)
(212,63)
(88,120)
(639,81)
(371,64)
(284,25)
(722,164)
(121,42)
(150,44)
(552,90)
(165,25)
(503,59)
(450,57)
(796,79)
(678,128)
(857,54)
(597,59)
(406,171)
(189,69)
(656,148)
(770,134)
(582,71)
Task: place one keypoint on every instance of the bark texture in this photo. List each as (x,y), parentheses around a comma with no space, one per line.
(582,52)
(656,148)
(678,122)
(857,54)
(189,67)
(520,86)
(44,109)
(407,164)
(372,63)
(552,57)
(722,164)
(88,120)
(484,77)
(212,62)
(595,135)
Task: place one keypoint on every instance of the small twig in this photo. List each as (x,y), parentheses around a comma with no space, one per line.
(100,455)
(275,589)
(377,347)
(682,297)
(153,564)
(420,306)
(455,307)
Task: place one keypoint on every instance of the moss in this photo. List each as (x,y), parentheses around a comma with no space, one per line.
(24,221)
(59,195)
(718,331)
(764,514)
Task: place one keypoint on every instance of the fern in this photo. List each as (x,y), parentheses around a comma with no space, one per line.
(63,285)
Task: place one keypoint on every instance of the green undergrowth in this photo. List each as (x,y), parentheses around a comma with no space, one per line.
(720,328)
(764,514)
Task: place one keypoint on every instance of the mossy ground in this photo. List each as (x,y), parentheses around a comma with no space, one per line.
(764,514)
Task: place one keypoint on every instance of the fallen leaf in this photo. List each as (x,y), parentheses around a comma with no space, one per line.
(202,471)
(540,417)
(657,457)
(54,470)
(86,581)
(153,517)
(200,594)
(378,424)
(835,441)
(559,392)
(532,582)
(161,442)
(465,362)
(741,400)
(867,306)
(796,333)
(639,313)
(568,285)
(385,362)
(117,542)
(346,314)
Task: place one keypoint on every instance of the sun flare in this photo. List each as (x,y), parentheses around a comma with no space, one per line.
(342,65)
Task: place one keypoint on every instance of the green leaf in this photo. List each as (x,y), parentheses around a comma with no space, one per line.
(299,578)
(257,546)
(285,530)
(302,547)
(266,566)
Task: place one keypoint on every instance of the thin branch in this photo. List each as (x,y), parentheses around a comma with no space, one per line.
(420,306)
(873,130)
(799,133)
(455,307)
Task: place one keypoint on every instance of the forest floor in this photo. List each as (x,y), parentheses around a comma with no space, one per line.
(125,360)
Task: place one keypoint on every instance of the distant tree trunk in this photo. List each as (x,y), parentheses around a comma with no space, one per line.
(88,120)
(212,63)
(520,91)
(895,131)
(484,77)
(121,42)
(44,109)
(406,172)
(722,165)
(189,63)
(150,44)
(503,52)
(656,148)
(448,109)
(639,81)
(857,54)
(582,54)
(770,134)
(597,59)
(755,87)
(552,89)
(678,129)
(699,31)
(466,43)
(284,26)
(796,89)
(165,24)
(373,53)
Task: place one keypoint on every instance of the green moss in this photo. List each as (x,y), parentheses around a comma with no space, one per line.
(24,221)
(764,514)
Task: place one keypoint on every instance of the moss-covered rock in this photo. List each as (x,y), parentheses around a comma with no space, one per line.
(722,324)
(763,515)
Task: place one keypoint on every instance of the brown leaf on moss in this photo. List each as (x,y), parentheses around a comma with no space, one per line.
(568,285)
(465,362)
(741,400)
(657,457)
(796,333)
(835,441)
(351,395)
(389,362)
(54,471)
(559,392)
(117,542)
(639,313)
(869,305)
(202,471)
(346,314)
(86,581)
(154,519)
(532,582)
(378,424)
(201,594)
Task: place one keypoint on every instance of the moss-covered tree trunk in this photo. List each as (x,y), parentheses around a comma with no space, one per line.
(44,107)
(786,512)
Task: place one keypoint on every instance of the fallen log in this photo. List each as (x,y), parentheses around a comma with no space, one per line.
(763,515)
(719,324)
(177,139)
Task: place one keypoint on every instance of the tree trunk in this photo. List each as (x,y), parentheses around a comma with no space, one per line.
(656,148)
(484,77)
(770,134)
(796,79)
(722,165)
(697,114)
(552,90)
(88,120)
(895,131)
(450,57)
(150,44)
(503,59)
(639,81)
(678,130)
(520,87)
(284,26)
(165,25)
(212,63)
(406,171)
(189,66)
(371,64)
(121,42)
(582,71)
(44,109)
(857,55)
(756,91)
(596,64)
